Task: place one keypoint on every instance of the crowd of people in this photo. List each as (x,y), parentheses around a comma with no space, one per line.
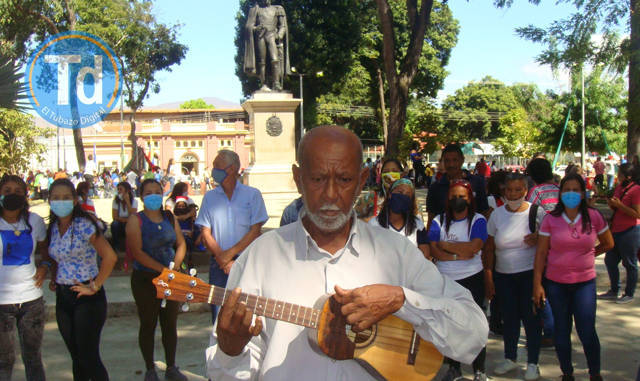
(526,242)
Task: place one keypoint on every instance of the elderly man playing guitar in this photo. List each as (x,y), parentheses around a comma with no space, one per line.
(357,277)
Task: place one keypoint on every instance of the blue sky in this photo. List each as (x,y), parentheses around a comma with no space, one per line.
(487,45)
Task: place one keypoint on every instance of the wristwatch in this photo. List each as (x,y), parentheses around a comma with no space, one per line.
(94,286)
(455,257)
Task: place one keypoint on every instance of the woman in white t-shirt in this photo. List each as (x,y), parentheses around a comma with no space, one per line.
(21,302)
(456,238)
(512,244)
(399,214)
(124,204)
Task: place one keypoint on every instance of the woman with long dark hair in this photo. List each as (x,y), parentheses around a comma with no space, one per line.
(625,226)
(21,304)
(152,236)
(123,205)
(566,256)
(75,243)
(456,238)
(399,214)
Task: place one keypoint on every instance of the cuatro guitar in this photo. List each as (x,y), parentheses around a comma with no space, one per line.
(389,350)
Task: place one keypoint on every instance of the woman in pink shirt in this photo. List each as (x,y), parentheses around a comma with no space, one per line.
(567,248)
(625,227)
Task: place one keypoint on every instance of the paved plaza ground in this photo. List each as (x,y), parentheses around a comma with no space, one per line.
(618,328)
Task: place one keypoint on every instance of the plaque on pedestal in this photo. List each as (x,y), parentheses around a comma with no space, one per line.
(272,119)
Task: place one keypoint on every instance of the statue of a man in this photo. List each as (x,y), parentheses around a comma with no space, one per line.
(267,39)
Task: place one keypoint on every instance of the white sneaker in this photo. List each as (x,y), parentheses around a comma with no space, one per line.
(532,373)
(505,366)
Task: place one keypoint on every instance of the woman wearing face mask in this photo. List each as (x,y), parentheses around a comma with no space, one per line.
(123,205)
(511,246)
(456,238)
(399,214)
(151,237)
(75,243)
(625,226)
(567,248)
(391,172)
(21,303)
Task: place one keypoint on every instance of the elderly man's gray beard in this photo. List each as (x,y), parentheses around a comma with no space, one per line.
(328,224)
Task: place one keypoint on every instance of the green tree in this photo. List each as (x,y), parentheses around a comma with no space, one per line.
(518,136)
(196,104)
(12,91)
(570,43)
(474,111)
(19,141)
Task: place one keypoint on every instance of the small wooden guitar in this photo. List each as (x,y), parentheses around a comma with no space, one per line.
(389,350)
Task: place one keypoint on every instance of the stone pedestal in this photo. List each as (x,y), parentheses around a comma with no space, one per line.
(272,119)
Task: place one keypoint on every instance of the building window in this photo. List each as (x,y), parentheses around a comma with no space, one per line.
(155,144)
(177,144)
(226,143)
(185,144)
(193,143)
(200,144)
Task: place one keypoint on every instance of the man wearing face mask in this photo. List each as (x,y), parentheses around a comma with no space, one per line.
(230,218)
(452,160)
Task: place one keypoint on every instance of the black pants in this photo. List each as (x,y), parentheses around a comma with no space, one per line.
(149,312)
(80,321)
(475,284)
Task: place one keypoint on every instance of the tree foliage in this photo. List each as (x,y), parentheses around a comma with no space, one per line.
(592,35)
(20,141)
(12,90)
(196,104)
(518,136)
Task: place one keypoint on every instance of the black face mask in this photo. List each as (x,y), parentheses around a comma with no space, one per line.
(179,211)
(458,204)
(13,201)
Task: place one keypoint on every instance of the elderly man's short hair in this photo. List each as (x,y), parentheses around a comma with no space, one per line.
(230,157)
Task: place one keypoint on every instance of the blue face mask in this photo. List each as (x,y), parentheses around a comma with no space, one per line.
(61,208)
(219,175)
(571,199)
(152,201)
(400,203)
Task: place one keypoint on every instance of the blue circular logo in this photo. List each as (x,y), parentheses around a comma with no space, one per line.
(73,80)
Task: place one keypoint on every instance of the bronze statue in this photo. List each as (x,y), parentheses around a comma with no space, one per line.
(267,38)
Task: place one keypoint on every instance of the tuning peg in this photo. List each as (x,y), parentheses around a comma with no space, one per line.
(172,265)
(193,271)
(185,307)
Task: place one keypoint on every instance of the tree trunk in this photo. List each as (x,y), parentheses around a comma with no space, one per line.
(633,109)
(77,142)
(383,111)
(398,100)
(134,145)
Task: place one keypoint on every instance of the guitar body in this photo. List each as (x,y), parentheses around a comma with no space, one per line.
(390,350)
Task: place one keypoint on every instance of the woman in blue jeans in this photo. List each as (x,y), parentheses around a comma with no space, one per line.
(567,247)
(512,244)
(625,226)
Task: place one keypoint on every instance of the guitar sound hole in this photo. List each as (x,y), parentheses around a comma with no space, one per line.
(364,338)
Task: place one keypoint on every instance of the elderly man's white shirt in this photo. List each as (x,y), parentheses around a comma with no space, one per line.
(286,264)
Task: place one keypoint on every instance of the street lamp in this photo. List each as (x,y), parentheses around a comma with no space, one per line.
(300,75)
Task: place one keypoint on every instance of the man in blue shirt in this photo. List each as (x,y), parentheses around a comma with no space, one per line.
(231,217)
(452,159)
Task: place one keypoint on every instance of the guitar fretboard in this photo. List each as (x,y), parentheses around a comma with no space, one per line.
(270,308)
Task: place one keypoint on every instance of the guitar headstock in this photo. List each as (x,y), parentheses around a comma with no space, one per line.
(174,285)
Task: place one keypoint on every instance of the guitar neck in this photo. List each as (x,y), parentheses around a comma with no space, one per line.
(270,308)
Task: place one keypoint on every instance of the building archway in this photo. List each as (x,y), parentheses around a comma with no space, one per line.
(189,163)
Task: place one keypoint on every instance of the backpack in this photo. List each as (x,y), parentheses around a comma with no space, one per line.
(533,214)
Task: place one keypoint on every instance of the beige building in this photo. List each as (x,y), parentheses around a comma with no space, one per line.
(190,137)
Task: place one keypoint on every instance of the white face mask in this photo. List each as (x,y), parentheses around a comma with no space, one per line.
(515,204)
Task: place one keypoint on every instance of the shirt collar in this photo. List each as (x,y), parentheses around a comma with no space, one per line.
(566,218)
(304,241)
